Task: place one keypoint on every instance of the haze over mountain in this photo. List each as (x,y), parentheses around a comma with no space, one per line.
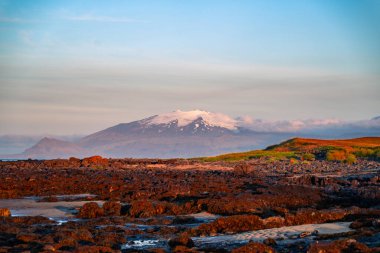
(175,134)
(193,133)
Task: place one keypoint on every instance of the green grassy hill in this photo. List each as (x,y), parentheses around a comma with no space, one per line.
(309,149)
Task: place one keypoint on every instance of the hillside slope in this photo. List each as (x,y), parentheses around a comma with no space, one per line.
(310,149)
(310,145)
(180,134)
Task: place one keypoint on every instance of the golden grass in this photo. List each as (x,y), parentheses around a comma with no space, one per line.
(297,147)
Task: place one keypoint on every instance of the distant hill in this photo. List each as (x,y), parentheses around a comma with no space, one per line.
(334,150)
(309,149)
(311,145)
(49,147)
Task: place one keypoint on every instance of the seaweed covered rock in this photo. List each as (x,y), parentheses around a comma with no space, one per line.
(5,212)
(254,247)
(94,249)
(235,223)
(112,208)
(90,210)
(345,245)
(182,240)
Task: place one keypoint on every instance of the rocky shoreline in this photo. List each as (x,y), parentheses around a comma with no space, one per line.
(152,205)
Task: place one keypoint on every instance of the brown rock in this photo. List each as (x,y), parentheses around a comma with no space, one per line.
(110,239)
(94,162)
(231,224)
(345,245)
(254,247)
(274,222)
(111,208)
(93,249)
(5,212)
(90,210)
(67,242)
(183,249)
(27,237)
(83,235)
(159,250)
(270,242)
(49,247)
(182,240)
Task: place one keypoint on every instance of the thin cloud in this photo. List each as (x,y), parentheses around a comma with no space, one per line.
(105,19)
(16,20)
(305,125)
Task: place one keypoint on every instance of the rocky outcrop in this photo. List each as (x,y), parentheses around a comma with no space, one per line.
(346,245)
(111,208)
(242,223)
(182,240)
(94,162)
(231,224)
(5,212)
(254,247)
(90,210)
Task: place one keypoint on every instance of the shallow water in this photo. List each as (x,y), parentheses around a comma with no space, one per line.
(63,211)
(141,242)
(60,210)
(204,216)
(69,197)
(199,218)
(282,235)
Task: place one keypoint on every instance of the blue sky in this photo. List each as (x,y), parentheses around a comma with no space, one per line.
(78,66)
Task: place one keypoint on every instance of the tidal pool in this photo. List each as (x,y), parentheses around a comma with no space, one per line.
(58,211)
(283,235)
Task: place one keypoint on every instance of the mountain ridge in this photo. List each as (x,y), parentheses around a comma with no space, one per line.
(175,134)
(307,144)
(179,133)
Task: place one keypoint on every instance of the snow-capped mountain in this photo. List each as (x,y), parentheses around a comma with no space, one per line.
(195,133)
(174,134)
(184,118)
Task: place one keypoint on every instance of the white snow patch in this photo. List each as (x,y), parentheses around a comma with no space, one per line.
(185,118)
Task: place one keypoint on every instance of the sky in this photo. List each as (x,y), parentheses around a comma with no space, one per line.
(75,67)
